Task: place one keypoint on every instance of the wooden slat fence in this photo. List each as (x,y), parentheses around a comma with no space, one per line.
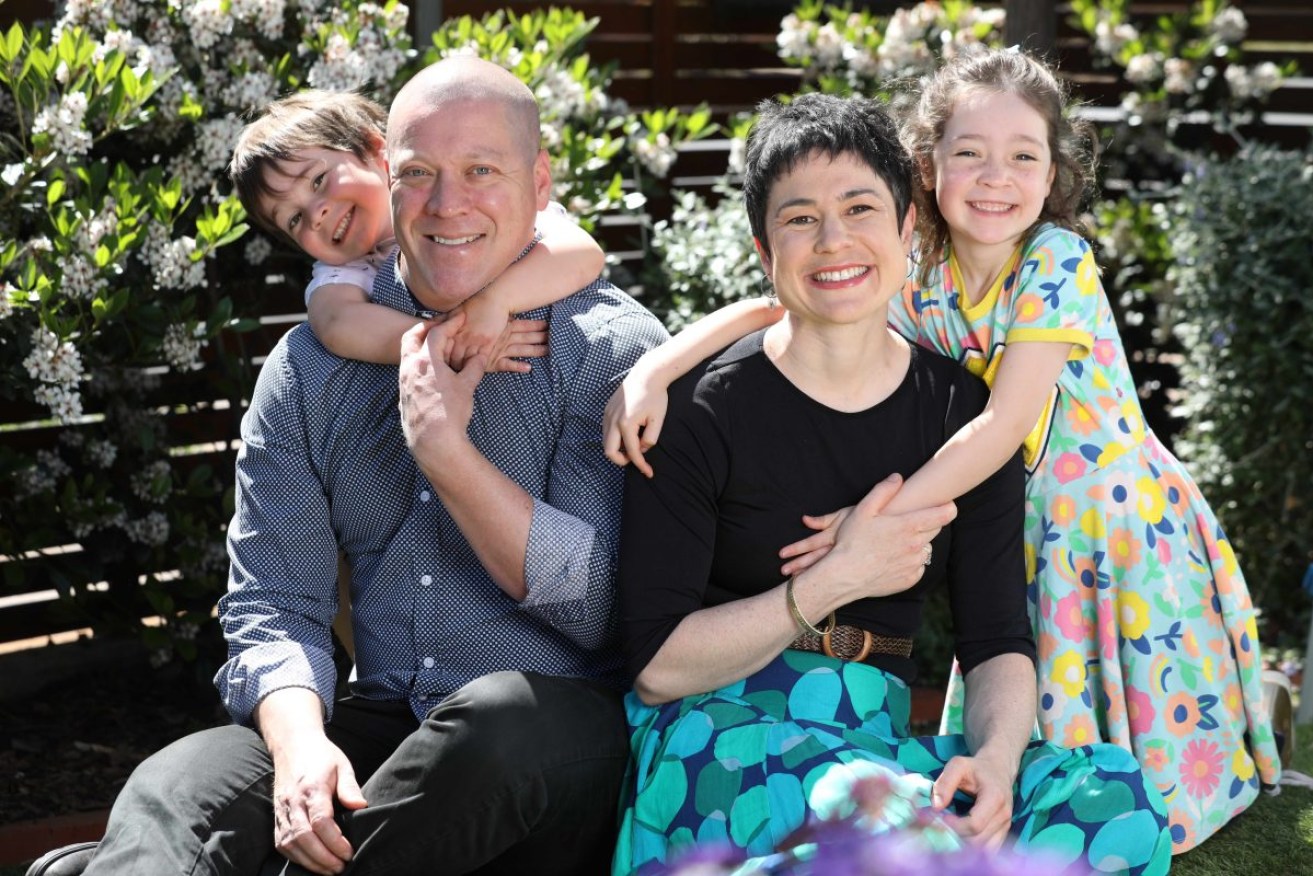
(669,52)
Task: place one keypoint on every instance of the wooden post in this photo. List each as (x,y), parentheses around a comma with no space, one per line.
(426,18)
(1033,25)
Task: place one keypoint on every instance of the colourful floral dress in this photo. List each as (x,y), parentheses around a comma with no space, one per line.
(1144,625)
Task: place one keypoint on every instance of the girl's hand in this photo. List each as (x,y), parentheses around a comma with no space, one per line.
(486,323)
(632,421)
(810,550)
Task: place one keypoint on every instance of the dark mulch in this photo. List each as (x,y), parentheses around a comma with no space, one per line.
(70,747)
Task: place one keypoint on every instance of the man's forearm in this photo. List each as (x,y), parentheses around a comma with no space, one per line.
(491,511)
(1000,709)
(288,714)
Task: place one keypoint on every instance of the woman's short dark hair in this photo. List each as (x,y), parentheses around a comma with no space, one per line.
(787,133)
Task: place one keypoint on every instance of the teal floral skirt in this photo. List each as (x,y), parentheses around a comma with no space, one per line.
(748,764)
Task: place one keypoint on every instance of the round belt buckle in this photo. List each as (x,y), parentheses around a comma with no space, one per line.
(827,647)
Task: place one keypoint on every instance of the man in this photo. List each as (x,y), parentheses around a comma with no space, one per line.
(485,730)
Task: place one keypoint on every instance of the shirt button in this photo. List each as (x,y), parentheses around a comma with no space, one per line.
(428,662)
(426,580)
(425,496)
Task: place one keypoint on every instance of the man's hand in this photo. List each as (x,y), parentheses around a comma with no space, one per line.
(309,775)
(990,783)
(436,402)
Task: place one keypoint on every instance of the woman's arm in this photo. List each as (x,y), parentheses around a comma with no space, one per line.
(1000,714)
(876,554)
(632,422)
(564,261)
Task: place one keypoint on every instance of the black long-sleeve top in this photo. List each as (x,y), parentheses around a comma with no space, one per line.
(744,454)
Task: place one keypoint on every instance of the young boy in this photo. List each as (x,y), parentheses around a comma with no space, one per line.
(311,171)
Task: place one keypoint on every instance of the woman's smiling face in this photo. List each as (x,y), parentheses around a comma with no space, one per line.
(838,253)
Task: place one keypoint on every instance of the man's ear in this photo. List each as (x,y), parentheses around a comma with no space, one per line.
(542,179)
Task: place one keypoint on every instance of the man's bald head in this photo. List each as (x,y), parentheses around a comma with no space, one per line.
(467,79)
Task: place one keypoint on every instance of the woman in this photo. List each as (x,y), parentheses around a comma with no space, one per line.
(742,712)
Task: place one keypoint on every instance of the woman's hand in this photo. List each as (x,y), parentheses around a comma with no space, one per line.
(632,421)
(810,549)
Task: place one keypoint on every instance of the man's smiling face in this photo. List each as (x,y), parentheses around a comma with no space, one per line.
(466,188)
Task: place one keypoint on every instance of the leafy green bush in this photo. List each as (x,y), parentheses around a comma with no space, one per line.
(1240,235)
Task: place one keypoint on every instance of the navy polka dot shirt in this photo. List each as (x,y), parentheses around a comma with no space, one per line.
(324,467)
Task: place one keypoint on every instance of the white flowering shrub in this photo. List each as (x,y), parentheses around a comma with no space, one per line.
(1181,68)
(118,281)
(121,291)
(605,157)
(843,50)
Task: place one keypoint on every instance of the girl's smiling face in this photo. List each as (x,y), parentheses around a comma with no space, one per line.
(992,170)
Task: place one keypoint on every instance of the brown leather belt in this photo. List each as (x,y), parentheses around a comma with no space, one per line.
(853,643)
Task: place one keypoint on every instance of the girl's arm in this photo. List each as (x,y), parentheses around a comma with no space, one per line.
(1022,388)
(564,261)
(353,327)
(632,421)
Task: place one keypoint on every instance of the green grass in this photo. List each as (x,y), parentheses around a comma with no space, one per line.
(1273,838)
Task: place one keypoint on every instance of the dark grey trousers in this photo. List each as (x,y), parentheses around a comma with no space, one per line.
(514,773)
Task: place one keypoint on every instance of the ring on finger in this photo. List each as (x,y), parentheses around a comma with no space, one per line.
(929,554)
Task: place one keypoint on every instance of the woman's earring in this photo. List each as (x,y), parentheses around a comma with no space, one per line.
(768,291)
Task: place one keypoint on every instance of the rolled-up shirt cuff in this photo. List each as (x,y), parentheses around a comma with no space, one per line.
(259,671)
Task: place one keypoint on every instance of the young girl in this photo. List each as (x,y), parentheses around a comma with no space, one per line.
(1145,630)
(311,171)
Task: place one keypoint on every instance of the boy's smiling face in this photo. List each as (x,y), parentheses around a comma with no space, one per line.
(331,204)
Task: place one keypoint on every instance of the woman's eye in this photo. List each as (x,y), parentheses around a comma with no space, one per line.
(294,221)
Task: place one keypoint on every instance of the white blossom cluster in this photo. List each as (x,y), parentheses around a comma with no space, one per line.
(1253,82)
(6,303)
(706,254)
(913,39)
(266,15)
(1182,76)
(656,154)
(257,250)
(86,520)
(170,260)
(101,452)
(561,99)
(64,122)
(57,368)
(373,59)
(151,530)
(206,21)
(152,483)
(42,476)
(1229,26)
(182,346)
